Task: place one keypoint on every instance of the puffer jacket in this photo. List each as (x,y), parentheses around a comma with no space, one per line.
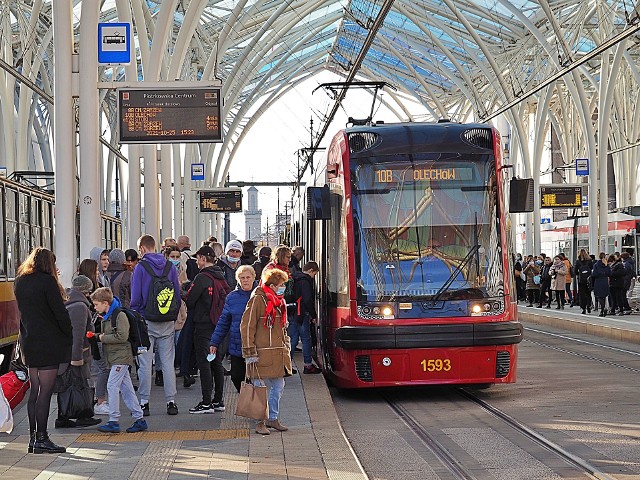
(115,343)
(558,272)
(229,321)
(271,345)
(79,310)
(617,275)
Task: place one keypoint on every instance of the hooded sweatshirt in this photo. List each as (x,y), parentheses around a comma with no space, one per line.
(141,280)
(102,275)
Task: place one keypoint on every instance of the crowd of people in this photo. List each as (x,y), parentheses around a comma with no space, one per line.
(589,283)
(198,309)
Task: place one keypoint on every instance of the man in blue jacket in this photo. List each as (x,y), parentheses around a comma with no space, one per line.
(161,330)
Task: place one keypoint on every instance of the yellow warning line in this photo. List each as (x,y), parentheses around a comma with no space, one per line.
(161,436)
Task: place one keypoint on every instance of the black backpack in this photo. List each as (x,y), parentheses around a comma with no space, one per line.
(290,296)
(163,302)
(138,332)
(584,272)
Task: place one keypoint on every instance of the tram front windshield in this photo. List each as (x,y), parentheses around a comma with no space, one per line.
(426,226)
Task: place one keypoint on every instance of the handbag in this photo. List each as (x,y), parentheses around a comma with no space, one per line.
(15,384)
(252,401)
(75,396)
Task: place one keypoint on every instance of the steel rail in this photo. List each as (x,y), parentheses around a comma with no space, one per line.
(541,440)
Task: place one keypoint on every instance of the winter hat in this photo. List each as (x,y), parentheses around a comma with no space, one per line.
(248,246)
(233,245)
(264,252)
(82,284)
(117,256)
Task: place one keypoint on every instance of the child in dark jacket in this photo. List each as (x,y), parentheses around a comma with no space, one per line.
(300,323)
(119,357)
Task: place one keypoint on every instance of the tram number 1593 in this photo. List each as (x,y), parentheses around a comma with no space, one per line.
(436,365)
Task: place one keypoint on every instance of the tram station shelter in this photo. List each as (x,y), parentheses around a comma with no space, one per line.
(559,79)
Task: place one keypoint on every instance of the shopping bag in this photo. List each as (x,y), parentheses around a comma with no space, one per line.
(75,396)
(6,417)
(252,401)
(15,384)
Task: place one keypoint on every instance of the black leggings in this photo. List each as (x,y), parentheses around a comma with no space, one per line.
(43,379)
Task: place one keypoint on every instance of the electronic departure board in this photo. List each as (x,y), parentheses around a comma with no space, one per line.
(561,196)
(169,115)
(221,201)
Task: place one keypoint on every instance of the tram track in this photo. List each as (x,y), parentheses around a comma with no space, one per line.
(457,468)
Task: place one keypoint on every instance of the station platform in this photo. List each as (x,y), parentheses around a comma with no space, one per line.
(624,328)
(187,446)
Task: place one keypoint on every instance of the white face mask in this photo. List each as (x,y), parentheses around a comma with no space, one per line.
(232,259)
(281,290)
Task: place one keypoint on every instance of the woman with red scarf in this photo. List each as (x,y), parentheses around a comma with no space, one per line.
(265,343)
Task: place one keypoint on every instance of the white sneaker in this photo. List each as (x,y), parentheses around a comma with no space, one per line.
(101,409)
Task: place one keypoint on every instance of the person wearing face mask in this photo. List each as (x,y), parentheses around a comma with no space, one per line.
(119,277)
(230,262)
(266,345)
(264,257)
(78,306)
(205,300)
(173,254)
(557,272)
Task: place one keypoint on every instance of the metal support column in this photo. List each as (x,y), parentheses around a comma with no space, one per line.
(166,192)
(89,173)
(65,237)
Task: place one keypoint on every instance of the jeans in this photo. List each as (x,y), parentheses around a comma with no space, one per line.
(101,372)
(276,387)
(210,373)
(120,381)
(160,333)
(303,331)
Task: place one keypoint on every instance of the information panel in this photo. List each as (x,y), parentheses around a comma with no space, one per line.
(169,115)
(561,196)
(223,200)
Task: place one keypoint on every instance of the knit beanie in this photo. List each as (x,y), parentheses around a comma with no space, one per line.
(82,284)
(117,256)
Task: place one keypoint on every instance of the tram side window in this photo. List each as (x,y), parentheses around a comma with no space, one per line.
(46,224)
(3,271)
(337,268)
(11,227)
(24,229)
(36,226)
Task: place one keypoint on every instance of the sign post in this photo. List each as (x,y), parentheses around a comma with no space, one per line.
(114,43)
(197,171)
(582,167)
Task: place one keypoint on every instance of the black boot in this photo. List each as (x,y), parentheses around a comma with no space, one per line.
(44,445)
(159,379)
(32,440)
(188,380)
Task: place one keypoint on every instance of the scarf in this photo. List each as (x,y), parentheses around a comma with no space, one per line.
(273,302)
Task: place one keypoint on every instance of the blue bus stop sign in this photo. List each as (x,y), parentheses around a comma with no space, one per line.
(582,167)
(114,43)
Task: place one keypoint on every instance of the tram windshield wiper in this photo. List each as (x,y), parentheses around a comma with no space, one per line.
(446,285)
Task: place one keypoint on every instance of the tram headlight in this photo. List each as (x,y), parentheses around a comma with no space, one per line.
(476,309)
(387,311)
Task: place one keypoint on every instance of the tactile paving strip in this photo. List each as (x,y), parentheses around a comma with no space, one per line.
(157,461)
(179,435)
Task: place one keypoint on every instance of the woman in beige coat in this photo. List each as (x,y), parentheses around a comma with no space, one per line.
(265,343)
(558,272)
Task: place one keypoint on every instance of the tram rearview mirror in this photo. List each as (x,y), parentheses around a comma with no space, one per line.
(318,205)
(521,195)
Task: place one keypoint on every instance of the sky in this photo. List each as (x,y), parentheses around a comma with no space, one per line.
(269,150)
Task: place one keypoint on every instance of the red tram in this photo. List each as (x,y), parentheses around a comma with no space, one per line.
(415,285)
